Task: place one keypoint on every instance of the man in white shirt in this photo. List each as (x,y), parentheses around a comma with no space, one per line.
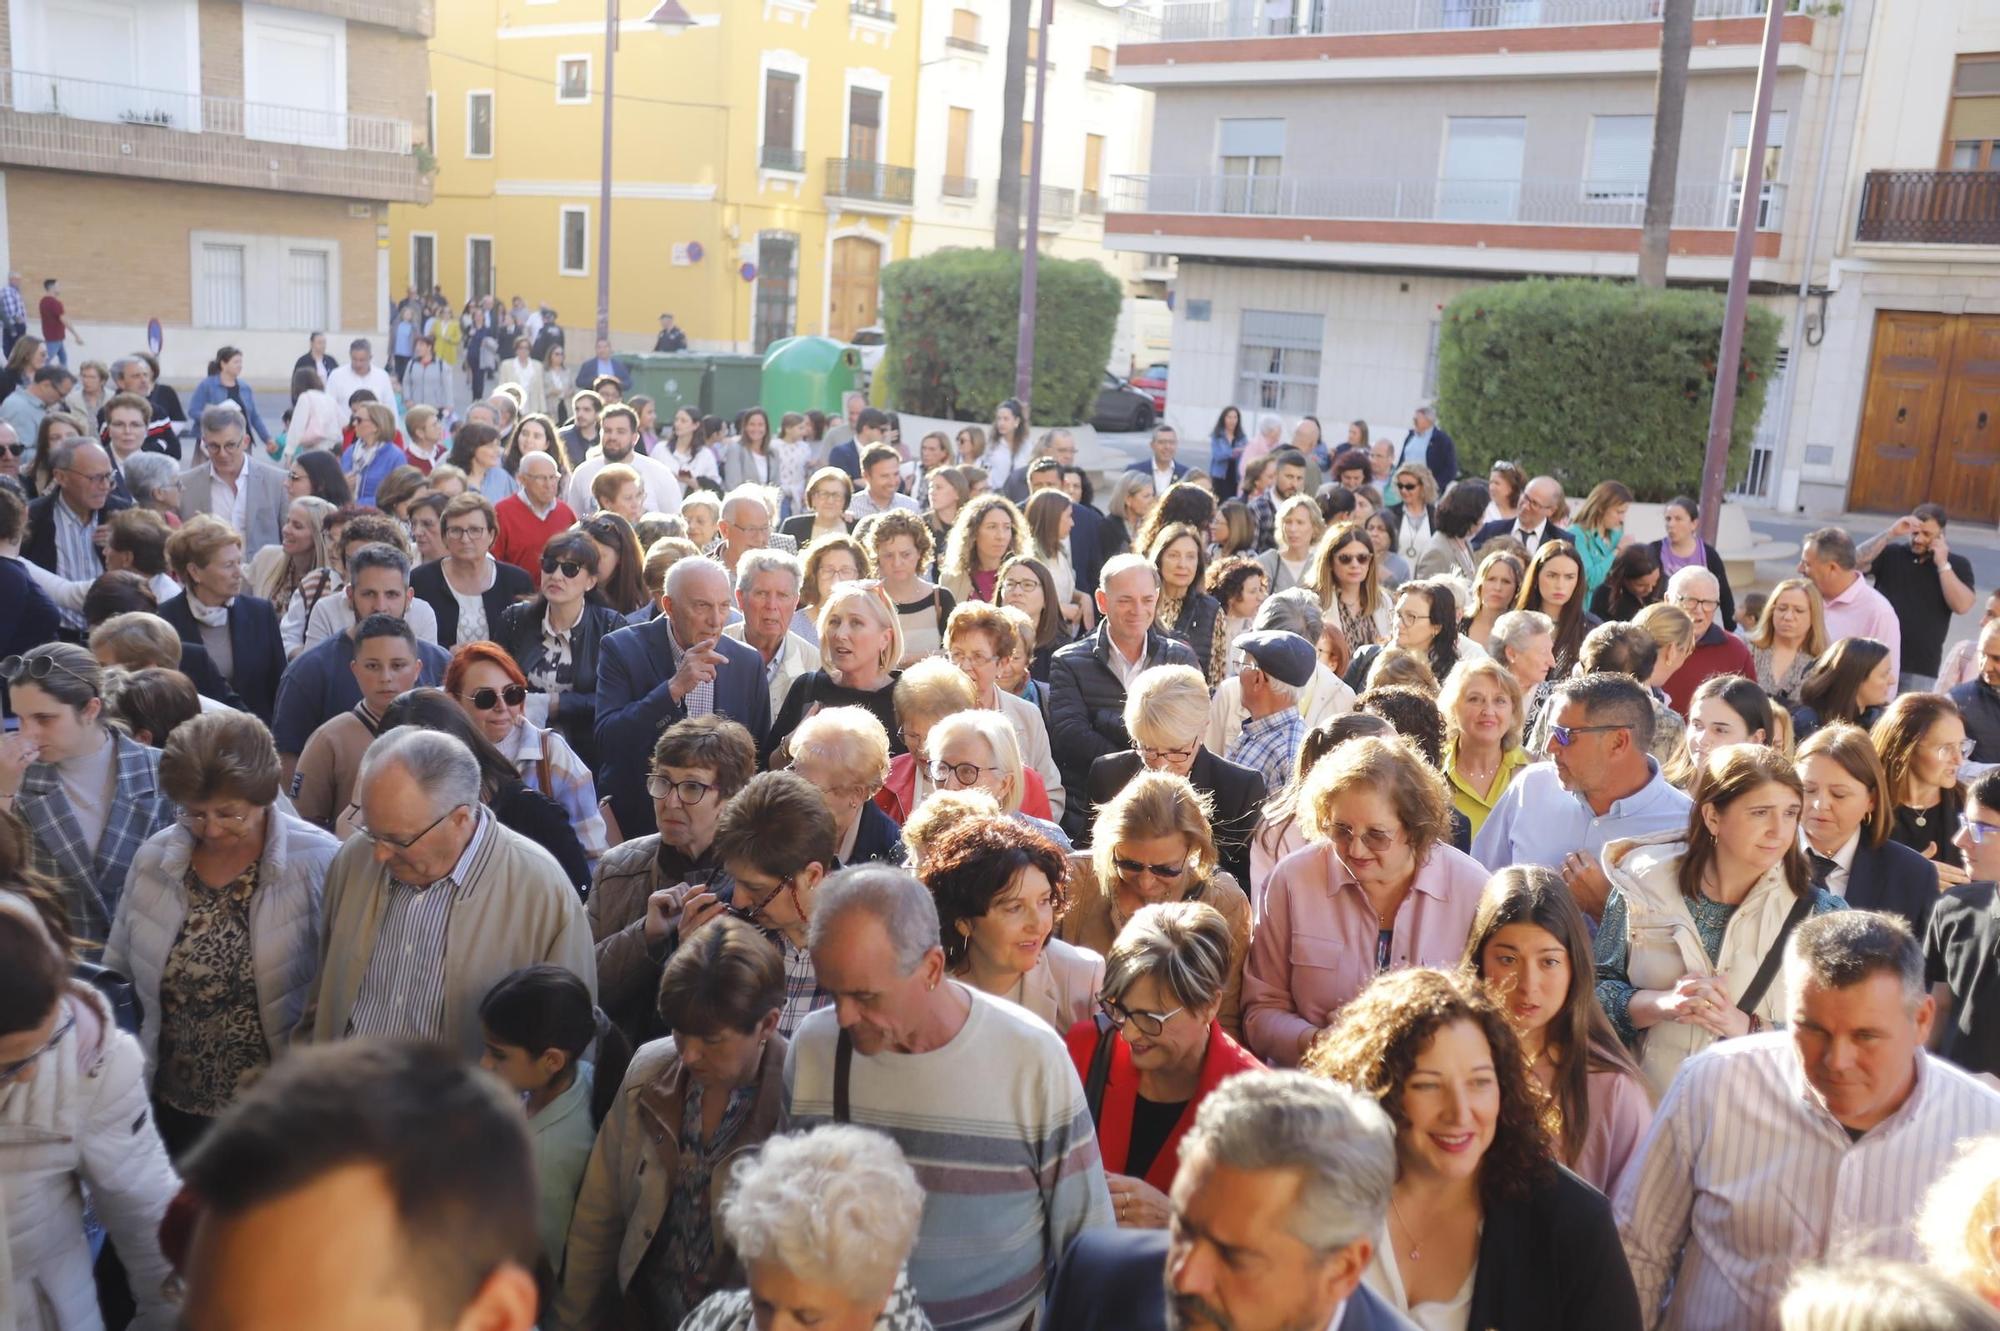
(618,441)
(247,494)
(880,470)
(361,372)
(1811,1144)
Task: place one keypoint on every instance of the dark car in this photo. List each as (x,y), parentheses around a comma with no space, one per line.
(1120,406)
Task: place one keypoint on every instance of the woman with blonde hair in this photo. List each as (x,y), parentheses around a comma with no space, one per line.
(1495,586)
(827,562)
(1298,526)
(926,693)
(279,570)
(1412,515)
(1960,1218)
(1131,499)
(941,811)
(1791,634)
(1347,578)
(989,532)
(1672,632)
(1481,703)
(860,641)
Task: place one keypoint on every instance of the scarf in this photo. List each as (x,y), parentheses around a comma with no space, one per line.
(214,616)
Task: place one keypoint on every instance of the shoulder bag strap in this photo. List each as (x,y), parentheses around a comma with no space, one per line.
(1767,971)
(1100,1069)
(843,1066)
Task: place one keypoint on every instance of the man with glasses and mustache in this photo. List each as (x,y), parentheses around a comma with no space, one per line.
(433,902)
(1717,651)
(66,531)
(529,518)
(1534,524)
(244,492)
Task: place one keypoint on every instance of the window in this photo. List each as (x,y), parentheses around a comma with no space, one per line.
(574,259)
(1253,156)
(1739,164)
(958,181)
(781,123)
(1093,173)
(1100,63)
(423,260)
(1277,361)
(1481,181)
(307,284)
(1972,128)
(864,125)
(479,124)
(1621,159)
(572,79)
(777,297)
(131,61)
(478,266)
(219,287)
(964,32)
(294,77)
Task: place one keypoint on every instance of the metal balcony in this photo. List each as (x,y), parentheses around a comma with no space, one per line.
(1209,20)
(870,183)
(972,44)
(959,187)
(879,10)
(1930,208)
(780,157)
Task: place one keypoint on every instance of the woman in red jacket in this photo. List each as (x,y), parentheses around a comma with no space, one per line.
(1155,1049)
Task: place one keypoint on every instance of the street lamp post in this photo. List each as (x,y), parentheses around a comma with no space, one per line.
(667,14)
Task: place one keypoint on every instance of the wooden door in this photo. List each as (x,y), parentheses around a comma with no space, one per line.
(1899,416)
(1966,475)
(857,268)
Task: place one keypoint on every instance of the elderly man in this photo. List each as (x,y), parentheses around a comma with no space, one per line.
(767,594)
(665,670)
(1164,465)
(1277,667)
(910,1052)
(601,363)
(1295,610)
(247,494)
(35,398)
(1853,608)
(1282,1189)
(744,524)
(434,903)
(1601,784)
(618,433)
(66,531)
(527,519)
(361,372)
(1428,444)
(1525,642)
(1088,678)
(1924,583)
(639,888)
(1979,699)
(1534,525)
(1717,651)
(1794,1146)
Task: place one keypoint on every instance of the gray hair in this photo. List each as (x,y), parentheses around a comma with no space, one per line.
(1185,944)
(1270,424)
(1875,1295)
(222,416)
(63,456)
(1612,698)
(998,732)
(123,365)
(377,554)
(1834,544)
(683,569)
(1293,610)
(1842,948)
(440,764)
(530,456)
(745,494)
(147,473)
(895,899)
(836,1206)
(1685,578)
(1339,1141)
(1119,565)
(1512,630)
(754,562)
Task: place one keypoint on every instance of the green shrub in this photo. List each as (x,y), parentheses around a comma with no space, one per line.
(951,319)
(1588,380)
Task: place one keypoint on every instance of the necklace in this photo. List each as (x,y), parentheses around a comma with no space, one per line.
(1416,1248)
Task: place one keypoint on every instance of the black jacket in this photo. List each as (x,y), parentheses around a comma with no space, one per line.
(1238,793)
(254,642)
(40,547)
(519,631)
(1440,455)
(1891,877)
(1196,628)
(1507,526)
(510,584)
(544,822)
(800,528)
(880,840)
(1979,707)
(1087,704)
(1551,1261)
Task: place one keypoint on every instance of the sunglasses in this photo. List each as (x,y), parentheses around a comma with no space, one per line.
(1564,736)
(1133,868)
(484,699)
(17,668)
(1408,485)
(1353,561)
(570,568)
(13,450)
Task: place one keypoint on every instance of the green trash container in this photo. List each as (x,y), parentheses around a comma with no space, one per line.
(808,374)
(736,383)
(673,379)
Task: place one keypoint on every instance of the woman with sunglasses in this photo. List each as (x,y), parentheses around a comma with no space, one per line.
(1378,887)
(374,452)
(89,794)
(73,1097)
(1344,576)
(1922,742)
(318,473)
(1412,514)
(555,637)
(489,685)
(621,564)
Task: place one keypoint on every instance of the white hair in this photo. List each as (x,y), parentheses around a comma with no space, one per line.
(749,494)
(754,562)
(895,899)
(1685,579)
(683,569)
(998,732)
(531,455)
(701,499)
(1270,424)
(440,764)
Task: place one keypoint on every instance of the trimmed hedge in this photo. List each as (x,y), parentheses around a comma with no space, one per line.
(1589,380)
(951,319)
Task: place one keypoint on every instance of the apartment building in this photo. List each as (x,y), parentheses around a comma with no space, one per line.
(1329,173)
(1097,129)
(222,169)
(762,163)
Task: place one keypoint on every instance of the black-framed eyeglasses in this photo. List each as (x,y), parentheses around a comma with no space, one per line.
(1147,1023)
(1180,755)
(749,914)
(9,1071)
(15,669)
(570,568)
(658,784)
(393,843)
(466,533)
(485,699)
(1166,873)
(1566,735)
(967,774)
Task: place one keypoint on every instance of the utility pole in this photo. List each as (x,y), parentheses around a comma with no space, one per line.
(1669,104)
(604,175)
(1031,254)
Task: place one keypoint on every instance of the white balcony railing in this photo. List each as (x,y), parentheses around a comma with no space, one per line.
(1208,20)
(1697,205)
(198,113)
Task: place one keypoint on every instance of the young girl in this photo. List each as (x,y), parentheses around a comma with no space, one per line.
(537,1022)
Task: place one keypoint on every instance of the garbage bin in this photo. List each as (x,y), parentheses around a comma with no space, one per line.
(808,374)
(736,383)
(673,379)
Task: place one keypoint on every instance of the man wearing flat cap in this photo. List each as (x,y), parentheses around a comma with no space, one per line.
(1276,665)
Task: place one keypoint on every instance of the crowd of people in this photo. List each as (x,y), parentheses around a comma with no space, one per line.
(725,874)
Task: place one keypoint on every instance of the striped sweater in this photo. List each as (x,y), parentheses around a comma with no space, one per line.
(1010,1171)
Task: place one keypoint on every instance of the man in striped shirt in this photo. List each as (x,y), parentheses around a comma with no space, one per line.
(1809,1145)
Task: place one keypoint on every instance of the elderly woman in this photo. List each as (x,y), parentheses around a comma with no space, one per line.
(978,750)
(1281,830)
(1156,1049)
(999,891)
(828,494)
(1151,843)
(89,795)
(1377,887)
(218,925)
(556,637)
(374,453)
(154,482)
(860,641)
(239,631)
(925,694)
(490,686)
(824,1223)
(643,1244)
(1692,915)
(845,752)
(978,639)
(469,589)
(828,562)
(1484,1229)
(1481,702)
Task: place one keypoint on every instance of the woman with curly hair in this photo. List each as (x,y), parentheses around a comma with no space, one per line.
(899,548)
(1239,585)
(1484,1230)
(989,532)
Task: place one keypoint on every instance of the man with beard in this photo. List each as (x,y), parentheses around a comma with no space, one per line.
(618,441)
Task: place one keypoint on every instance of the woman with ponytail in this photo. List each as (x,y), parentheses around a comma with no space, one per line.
(538,1022)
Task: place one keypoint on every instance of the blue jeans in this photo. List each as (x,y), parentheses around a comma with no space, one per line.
(58,352)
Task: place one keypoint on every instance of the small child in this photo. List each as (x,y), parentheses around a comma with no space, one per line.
(1748,612)
(538,1021)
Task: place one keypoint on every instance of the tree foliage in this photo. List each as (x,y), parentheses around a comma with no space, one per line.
(951,320)
(1589,380)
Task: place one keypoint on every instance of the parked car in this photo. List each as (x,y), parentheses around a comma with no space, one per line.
(1120,406)
(1153,379)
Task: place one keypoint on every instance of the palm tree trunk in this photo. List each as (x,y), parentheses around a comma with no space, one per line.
(1013,102)
(1670,100)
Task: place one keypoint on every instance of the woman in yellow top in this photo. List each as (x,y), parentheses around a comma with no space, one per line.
(1481,702)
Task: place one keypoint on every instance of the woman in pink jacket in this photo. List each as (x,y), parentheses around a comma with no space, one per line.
(1378,887)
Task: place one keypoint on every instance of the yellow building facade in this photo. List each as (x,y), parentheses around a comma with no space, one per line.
(761,163)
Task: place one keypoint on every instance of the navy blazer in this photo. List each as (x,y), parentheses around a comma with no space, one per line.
(254,642)
(1507,526)
(1116,1278)
(846,455)
(40,547)
(1238,793)
(1440,455)
(1086,546)
(510,584)
(1550,1259)
(1891,877)
(880,839)
(199,666)
(27,615)
(1145,464)
(634,666)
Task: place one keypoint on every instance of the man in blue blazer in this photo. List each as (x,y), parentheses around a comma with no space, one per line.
(870,427)
(1163,466)
(1534,525)
(678,665)
(1283,1182)
(1427,442)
